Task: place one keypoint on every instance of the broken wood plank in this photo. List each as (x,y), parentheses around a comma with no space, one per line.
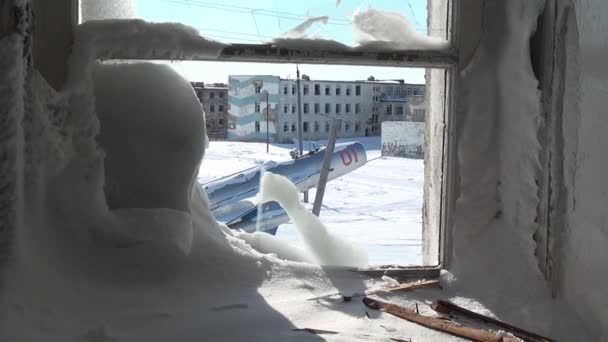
(413,286)
(434,323)
(401,288)
(317,331)
(451,308)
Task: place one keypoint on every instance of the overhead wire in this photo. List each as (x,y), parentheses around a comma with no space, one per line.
(248,10)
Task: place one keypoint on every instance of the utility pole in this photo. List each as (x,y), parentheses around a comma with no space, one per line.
(300,147)
(267,124)
(324,174)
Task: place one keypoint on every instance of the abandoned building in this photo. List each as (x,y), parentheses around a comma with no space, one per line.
(105,234)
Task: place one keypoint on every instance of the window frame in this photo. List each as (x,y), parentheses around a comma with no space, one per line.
(267,53)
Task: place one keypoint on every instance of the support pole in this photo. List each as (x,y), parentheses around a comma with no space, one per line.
(300,147)
(267,124)
(324,175)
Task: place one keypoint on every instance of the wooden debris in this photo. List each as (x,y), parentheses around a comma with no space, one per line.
(317,331)
(435,323)
(401,288)
(413,286)
(451,308)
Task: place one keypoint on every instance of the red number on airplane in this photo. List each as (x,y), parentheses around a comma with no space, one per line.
(346,153)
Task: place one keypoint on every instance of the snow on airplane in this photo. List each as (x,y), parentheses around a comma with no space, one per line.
(231,198)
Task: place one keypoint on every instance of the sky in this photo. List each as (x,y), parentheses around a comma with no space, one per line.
(258,21)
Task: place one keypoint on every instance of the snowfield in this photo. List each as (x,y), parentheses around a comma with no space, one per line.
(378,205)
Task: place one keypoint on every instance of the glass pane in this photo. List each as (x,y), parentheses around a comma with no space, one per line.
(377,201)
(261,21)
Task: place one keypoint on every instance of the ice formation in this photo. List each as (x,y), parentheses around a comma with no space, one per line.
(300,30)
(134,38)
(107,9)
(375,29)
(326,248)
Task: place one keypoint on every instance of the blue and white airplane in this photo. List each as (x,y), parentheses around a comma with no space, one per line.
(231,197)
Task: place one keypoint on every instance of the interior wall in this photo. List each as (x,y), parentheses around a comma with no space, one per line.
(584,243)
(53,36)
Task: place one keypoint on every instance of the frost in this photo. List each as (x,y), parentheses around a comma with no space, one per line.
(373,29)
(326,248)
(107,9)
(300,30)
(376,29)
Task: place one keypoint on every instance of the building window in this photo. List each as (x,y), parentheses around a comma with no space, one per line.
(285,90)
(348,91)
(285,109)
(285,127)
(316,126)
(317,89)
(389,91)
(317,108)
(347,108)
(305,126)
(293,109)
(327,90)
(258,87)
(399,110)
(293,127)
(293,89)
(389,109)
(347,127)
(357,126)
(220,108)
(358,90)
(409,91)
(327,108)
(305,90)
(221,122)
(257,107)
(338,91)
(211,95)
(338,108)
(357,108)
(212,108)
(327,127)
(306,108)
(257,126)
(221,94)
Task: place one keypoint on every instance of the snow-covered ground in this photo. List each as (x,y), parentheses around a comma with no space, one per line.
(378,205)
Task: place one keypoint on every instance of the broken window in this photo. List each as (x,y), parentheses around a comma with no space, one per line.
(371,122)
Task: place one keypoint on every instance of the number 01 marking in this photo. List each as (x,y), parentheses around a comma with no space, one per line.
(351,155)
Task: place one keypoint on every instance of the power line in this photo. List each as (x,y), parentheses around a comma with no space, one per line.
(231,32)
(248,10)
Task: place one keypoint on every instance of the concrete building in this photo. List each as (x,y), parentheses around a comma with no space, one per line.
(349,101)
(360,106)
(214,99)
(396,101)
(249,96)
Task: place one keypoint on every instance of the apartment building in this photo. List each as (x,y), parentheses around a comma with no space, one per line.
(360,106)
(253,103)
(214,99)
